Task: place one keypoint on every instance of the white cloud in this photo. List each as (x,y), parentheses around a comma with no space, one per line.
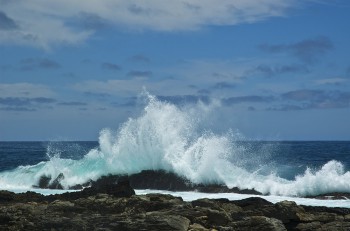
(331,81)
(27,90)
(112,87)
(45,23)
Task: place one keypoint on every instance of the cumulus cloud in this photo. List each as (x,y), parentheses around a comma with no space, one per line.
(38,63)
(15,101)
(24,104)
(223,85)
(90,21)
(270,71)
(313,99)
(185,99)
(110,87)
(140,59)
(27,90)
(47,23)
(72,103)
(111,66)
(246,99)
(303,95)
(332,81)
(7,23)
(135,74)
(306,50)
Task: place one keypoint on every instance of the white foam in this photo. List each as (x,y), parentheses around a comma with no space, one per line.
(191,196)
(171,138)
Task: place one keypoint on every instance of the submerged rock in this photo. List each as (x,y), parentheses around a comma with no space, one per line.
(44,182)
(56,184)
(162,180)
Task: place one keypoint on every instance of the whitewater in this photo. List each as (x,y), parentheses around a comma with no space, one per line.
(176,139)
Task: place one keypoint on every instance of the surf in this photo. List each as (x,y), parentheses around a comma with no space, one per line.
(176,139)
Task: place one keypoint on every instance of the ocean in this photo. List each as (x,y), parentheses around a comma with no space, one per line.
(169,137)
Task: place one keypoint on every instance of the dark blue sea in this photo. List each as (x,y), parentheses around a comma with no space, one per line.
(285,159)
(171,138)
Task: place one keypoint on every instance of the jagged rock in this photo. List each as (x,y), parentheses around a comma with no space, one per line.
(332,196)
(121,189)
(116,207)
(259,223)
(56,184)
(6,196)
(197,227)
(252,202)
(161,180)
(286,211)
(44,181)
(309,226)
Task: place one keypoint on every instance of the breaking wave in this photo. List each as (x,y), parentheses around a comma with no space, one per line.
(171,138)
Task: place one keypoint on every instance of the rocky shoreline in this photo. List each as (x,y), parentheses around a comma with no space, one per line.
(146,179)
(116,207)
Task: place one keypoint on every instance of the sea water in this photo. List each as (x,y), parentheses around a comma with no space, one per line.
(173,138)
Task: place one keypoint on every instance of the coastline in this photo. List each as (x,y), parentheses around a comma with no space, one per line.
(116,207)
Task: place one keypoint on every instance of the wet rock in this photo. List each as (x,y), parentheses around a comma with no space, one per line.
(56,184)
(6,196)
(162,180)
(121,189)
(44,181)
(252,202)
(286,211)
(259,223)
(116,207)
(332,196)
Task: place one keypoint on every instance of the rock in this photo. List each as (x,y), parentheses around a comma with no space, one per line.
(259,223)
(286,211)
(161,180)
(56,184)
(332,196)
(322,217)
(44,181)
(121,189)
(252,202)
(6,196)
(115,206)
(197,227)
(309,226)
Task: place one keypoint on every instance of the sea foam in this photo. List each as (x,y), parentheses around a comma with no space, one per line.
(171,138)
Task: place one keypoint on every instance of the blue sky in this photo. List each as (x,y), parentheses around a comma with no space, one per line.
(278,69)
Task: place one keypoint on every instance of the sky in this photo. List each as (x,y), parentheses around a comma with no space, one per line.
(275,69)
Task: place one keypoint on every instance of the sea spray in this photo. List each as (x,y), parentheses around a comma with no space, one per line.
(172,138)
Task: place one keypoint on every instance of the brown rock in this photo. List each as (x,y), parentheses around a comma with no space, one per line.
(259,223)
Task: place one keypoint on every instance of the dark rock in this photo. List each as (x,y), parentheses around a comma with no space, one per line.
(332,196)
(56,184)
(319,209)
(286,211)
(6,196)
(259,223)
(218,188)
(252,202)
(121,189)
(44,181)
(111,204)
(162,180)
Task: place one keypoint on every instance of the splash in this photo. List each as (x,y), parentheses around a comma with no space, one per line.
(171,138)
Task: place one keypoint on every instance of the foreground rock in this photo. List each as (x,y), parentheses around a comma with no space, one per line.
(116,207)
